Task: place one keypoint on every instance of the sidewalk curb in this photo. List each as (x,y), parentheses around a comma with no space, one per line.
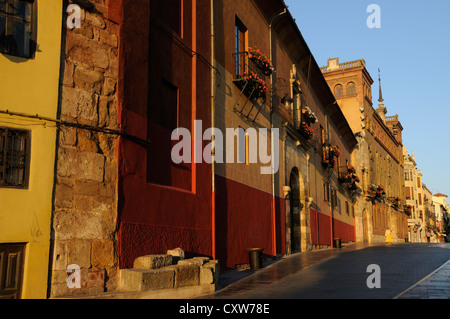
(422,280)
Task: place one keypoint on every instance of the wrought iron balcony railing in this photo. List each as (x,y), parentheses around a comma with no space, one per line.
(244,65)
(343,174)
(249,77)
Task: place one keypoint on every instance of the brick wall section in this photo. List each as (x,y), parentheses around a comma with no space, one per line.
(85,197)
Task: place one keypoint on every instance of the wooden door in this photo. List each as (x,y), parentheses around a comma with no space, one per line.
(11,270)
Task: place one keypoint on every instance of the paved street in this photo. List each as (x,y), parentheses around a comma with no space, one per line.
(418,271)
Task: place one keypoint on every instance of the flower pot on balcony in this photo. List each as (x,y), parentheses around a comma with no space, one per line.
(306,131)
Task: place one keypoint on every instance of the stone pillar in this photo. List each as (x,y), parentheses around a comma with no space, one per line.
(85,194)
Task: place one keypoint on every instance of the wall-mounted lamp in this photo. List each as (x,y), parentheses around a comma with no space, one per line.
(287,101)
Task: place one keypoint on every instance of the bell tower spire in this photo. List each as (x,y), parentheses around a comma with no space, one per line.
(381,110)
(379,83)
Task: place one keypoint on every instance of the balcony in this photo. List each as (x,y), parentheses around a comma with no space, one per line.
(306,131)
(396,202)
(343,175)
(408,210)
(347,175)
(326,155)
(250,77)
(333,65)
(392,118)
(376,193)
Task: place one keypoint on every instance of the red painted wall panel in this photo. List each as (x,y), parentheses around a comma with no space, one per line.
(321,232)
(344,231)
(320,228)
(243,220)
(154,218)
(142,239)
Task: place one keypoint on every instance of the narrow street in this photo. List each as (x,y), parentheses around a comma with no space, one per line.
(342,274)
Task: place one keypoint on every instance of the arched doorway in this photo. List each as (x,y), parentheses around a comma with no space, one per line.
(294,211)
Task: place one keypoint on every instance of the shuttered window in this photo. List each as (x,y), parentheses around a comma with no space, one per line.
(408,193)
(17,27)
(14,157)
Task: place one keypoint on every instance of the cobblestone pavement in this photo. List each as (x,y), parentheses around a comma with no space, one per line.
(407,271)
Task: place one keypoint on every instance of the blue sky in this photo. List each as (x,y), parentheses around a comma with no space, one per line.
(412,49)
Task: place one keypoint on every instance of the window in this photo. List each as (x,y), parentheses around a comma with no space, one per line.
(323,142)
(347,208)
(169,104)
(326,191)
(338,91)
(408,192)
(240,33)
(335,201)
(167,114)
(339,165)
(296,112)
(14,157)
(247,149)
(351,88)
(17,31)
(170,14)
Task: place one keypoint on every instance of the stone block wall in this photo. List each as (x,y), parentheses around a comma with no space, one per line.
(85,194)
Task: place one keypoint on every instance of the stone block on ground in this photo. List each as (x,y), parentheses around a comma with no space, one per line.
(201,260)
(197,261)
(144,280)
(185,275)
(177,254)
(206,276)
(214,266)
(152,261)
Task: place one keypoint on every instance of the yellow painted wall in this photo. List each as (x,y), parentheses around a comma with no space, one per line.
(31,86)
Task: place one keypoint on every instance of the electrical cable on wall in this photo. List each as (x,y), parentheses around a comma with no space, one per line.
(76,125)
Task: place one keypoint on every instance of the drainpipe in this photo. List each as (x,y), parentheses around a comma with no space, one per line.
(274,230)
(213,186)
(327,127)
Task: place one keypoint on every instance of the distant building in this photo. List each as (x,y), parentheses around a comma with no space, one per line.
(378,159)
(442,211)
(432,232)
(412,191)
(306,204)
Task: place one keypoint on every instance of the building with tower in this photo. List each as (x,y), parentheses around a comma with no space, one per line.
(378,157)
